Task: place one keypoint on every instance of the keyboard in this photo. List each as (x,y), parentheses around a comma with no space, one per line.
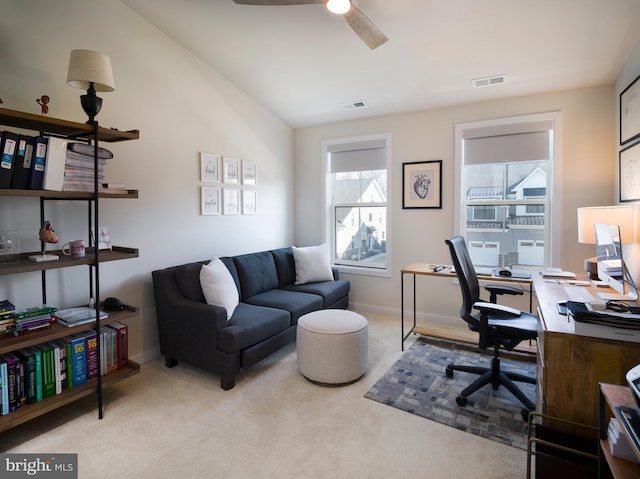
(578,294)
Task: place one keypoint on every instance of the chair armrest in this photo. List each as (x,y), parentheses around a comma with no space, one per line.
(485,307)
(501,289)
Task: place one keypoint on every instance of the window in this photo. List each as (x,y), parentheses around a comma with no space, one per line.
(503,204)
(357,205)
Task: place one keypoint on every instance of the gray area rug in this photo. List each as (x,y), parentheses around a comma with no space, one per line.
(417,383)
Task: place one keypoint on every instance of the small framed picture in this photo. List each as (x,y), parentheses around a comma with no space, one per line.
(210,201)
(231,170)
(249,173)
(231,201)
(104,240)
(249,200)
(209,167)
(421,184)
(630,173)
(630,112)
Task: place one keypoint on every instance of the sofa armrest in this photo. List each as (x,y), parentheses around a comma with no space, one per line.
(336,273)
(182,320)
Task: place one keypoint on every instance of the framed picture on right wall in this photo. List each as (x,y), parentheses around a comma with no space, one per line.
(630,112)
(630,173)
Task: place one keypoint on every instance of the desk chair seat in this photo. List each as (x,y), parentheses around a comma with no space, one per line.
(498,327)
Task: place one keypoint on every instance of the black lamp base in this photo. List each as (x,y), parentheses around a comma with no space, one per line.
(91,103)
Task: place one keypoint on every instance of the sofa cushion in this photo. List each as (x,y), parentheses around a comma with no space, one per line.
(285,265)
(330,291)
(187,277)
(296,304)
(312,264)
(257,273)
(218,286)
(250,325)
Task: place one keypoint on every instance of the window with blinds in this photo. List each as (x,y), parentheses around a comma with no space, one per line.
(357,197)
(504,192)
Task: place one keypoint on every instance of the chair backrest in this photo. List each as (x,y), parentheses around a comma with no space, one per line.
(466,277)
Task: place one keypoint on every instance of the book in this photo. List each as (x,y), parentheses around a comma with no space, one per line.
(54,166)
(48,370)
(28,359)
(122,344)
(4,384)
(37,355)
(34,311)
(8,147)
(6,306)
(78,359)
(20,378)
(63,368)
(38,164)
(12,382)
(22,167)
(92,354)
(79,315)
(56,366)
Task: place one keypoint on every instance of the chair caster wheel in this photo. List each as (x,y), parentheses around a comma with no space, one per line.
(462,401)
(449,372)
(525,414)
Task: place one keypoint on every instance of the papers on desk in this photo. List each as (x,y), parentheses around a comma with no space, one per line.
(557,273)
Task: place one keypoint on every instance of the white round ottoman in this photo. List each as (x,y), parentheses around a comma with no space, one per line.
(332,346)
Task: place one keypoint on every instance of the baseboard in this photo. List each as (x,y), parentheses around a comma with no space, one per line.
(408,315)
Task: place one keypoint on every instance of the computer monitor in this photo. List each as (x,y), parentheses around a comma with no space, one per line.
(611,266)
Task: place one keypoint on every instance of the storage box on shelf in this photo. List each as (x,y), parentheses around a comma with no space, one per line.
(83,132)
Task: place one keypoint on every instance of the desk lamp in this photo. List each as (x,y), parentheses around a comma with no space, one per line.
(615,215)
(91,71)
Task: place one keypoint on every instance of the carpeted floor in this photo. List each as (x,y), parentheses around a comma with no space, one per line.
(417,383)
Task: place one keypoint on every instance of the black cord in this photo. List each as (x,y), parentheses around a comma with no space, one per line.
(622,307)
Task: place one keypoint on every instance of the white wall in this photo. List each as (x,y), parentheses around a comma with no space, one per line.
(181,107)
(586,179)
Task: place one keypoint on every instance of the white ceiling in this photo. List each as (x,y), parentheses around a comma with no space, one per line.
(302,62)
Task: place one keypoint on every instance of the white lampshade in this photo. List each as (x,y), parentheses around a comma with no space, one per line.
(87,67)
(622,216)
(339,6)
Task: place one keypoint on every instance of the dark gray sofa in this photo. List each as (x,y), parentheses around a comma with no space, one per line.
(264,321)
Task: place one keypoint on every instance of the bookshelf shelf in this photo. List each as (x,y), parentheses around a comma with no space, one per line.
(32,411)
(20,263)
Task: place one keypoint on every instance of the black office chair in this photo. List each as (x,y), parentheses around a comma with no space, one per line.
(498,327)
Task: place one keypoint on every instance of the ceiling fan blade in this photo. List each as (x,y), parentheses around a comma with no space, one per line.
(366,30)
(269,3)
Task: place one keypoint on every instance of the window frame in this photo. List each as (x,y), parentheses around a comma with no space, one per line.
(329,228)
(552,231)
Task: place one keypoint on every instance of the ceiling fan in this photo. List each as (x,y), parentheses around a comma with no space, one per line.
(364,28)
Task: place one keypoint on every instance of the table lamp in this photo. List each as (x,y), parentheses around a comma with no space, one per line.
(91,71)
(614,215)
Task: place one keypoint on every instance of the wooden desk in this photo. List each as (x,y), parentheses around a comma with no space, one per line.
(611,396)
(571,366)
(425,269)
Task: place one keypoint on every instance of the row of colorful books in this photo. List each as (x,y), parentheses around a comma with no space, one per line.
(39,162)
(29,375)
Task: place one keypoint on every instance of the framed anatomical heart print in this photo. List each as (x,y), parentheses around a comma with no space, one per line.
(422,184)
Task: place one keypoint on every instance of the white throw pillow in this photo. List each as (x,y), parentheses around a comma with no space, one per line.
(312,264)
(218,286)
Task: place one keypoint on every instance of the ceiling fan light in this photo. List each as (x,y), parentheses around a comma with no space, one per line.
(339,6)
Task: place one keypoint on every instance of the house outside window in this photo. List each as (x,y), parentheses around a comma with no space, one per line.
(357,203)
(503,195)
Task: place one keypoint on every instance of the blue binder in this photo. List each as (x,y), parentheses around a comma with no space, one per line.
(38,163)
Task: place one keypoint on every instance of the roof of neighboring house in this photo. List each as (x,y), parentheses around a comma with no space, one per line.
(485,192)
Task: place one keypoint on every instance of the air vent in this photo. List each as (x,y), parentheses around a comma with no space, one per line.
(352,105)
(488,81)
